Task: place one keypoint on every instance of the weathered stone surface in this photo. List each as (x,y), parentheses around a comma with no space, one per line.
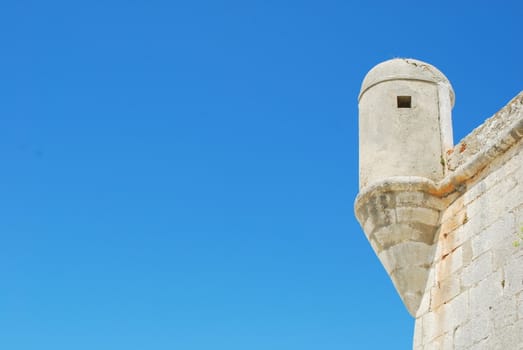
(477,270)
(444,291)
(402,233)
(397,141)
(508,118)
(487,306)
(446,222)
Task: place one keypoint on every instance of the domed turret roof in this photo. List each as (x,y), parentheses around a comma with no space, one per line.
(404,69)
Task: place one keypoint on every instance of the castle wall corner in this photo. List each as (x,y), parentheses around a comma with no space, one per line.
(474,293)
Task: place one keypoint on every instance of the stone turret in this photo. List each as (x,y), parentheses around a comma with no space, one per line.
(404,133)
(404,121)
(445,221)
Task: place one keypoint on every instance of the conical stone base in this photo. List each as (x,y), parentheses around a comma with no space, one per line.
(400,218)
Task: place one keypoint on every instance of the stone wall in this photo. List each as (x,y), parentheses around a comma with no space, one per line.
(474,293)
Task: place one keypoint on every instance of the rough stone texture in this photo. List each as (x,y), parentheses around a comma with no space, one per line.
(451,240)
(400,223)
(475,289)
(404,141)
(480,138)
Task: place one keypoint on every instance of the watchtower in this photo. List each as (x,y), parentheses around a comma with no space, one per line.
(404,121)
(405,131)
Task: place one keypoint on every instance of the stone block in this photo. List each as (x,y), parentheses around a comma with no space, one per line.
(418,334)
(507,338)
(474,192)
(477,270)
(443,342)
(453,221)
(519,302)
(449,263)
(462,337)
(455,313)
(425,216)
(492,235)
(445,290)
(503,313)
(455,207)
(472,332)
(505,251)
(483,296)
(431,327)
(507,203)
(518,217)
(455,239)
(514,275)
(467,253)
(409,198)
(496,202)
(425,303)
(407,253)
(513,165)
(382,218)
(391,235)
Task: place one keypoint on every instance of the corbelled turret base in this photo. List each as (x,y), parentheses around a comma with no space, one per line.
(400,218)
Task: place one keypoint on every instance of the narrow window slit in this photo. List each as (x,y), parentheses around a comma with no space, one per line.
(404,101)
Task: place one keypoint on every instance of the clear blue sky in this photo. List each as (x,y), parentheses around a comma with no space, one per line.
(181,174)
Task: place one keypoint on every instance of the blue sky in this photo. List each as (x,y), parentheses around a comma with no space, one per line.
(181,174)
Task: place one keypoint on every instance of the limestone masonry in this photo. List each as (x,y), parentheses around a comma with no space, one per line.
(446,221)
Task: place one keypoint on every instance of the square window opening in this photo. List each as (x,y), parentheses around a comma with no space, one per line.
(404,101)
